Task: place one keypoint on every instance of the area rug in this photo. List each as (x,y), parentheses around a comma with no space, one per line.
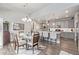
(42,47)
(23,51)
(64,53)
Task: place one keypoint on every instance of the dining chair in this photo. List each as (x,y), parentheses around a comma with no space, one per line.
(12,40)
(53,37)
(45,35)
(19,43)
(11,37)
(34,41)
(41,35)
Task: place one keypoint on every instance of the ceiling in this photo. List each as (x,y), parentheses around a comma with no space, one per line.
(42,10)
(54,11)
(27,8)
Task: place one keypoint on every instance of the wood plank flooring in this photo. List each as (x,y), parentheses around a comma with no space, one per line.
(67,45)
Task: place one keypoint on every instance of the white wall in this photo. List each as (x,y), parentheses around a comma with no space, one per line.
(28,26)
(1,32)
(14,17)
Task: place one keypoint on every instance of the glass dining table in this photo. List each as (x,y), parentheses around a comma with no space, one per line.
(27,38)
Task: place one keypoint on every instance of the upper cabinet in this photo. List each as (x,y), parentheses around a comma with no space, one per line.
(71,24)
(18,26)
(62,23)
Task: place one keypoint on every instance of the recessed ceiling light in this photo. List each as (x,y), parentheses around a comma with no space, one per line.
(66,11)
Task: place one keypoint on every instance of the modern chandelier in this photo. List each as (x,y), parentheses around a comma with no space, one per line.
(27,19)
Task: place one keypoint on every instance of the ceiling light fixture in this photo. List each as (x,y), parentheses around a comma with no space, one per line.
(27,19)
(24,19)
(66,11)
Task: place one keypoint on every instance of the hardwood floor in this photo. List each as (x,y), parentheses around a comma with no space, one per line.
(69,46)
(66,45)
(7,50)
(51,48)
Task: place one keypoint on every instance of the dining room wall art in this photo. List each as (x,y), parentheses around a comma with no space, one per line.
(18,26)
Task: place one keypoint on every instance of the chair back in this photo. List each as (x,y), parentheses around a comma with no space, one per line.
(40,33)
(45,34)
(53,35)
(12,36)
(35,38)
(16,39)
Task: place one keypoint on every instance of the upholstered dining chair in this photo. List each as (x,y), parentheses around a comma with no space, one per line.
(41,35)
(53,37)
(45,35)
(12,40)
(19,42)
(34,41)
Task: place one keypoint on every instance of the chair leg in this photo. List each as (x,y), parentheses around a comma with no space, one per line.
(43,38)
(26,46)
(33,49)
(37,46)
(55,41)
(49,40)
(17,50)
(14,46)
